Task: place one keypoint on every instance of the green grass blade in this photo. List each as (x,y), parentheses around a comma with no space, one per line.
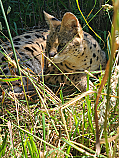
(34,148)
(61,96)
(3,146)
(30,149)
(43,120)
(23,144)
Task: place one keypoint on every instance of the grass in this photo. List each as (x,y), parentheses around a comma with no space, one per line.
(56,125)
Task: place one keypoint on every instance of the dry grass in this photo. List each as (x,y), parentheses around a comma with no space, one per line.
(42,124)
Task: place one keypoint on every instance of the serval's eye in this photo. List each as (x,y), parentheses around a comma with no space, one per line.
(61,46)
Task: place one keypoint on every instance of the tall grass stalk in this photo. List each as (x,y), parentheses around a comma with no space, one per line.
(43,120)
(18,67)
(115,19)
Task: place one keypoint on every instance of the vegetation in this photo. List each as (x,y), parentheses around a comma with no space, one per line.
(61,125)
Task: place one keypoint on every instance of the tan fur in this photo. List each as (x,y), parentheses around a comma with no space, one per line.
(76,47)
(32,47)
(74,50)
(29,47)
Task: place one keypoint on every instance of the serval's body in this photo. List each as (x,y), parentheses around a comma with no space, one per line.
(29,47)
(80,51)
(73,49)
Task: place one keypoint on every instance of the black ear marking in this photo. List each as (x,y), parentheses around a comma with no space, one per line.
(55,19)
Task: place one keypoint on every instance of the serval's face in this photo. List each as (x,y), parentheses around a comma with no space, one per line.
(68,43)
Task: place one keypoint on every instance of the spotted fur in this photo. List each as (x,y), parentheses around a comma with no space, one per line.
(29,47)
(74,50)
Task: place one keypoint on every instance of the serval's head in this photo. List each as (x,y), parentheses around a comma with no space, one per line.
(63,34)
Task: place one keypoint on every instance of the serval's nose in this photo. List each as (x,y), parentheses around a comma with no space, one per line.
(52,54)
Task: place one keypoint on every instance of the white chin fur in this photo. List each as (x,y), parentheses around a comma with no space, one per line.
(58,59)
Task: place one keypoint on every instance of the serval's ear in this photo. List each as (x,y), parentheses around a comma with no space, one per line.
(70,22)
(51,21)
